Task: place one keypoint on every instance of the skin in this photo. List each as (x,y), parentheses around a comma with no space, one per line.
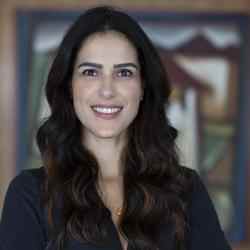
(101,77)
(107,72)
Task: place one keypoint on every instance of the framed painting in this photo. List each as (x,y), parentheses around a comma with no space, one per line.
(205,56)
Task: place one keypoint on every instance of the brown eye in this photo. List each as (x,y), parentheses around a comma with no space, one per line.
(125,73)
(89,72)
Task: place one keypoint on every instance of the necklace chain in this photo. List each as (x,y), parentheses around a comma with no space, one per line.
(116,210)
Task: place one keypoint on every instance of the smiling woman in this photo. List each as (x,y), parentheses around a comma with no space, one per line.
(107,88)
(111,177)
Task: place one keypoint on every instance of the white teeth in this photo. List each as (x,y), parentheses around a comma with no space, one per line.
(106,110)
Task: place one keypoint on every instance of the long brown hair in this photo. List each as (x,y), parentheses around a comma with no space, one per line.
(155,186)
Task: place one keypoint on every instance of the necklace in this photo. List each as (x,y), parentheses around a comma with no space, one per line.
(118,212)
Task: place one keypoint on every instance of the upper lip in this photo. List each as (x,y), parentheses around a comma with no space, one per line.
(107,106)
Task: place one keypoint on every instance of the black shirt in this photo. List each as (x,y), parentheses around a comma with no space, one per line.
(23,225)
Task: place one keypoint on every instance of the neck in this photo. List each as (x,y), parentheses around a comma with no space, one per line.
(108,153)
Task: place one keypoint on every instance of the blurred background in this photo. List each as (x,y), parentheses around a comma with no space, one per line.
(205,46)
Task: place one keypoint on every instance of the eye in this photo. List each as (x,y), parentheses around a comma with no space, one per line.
(89,72)
(125,73)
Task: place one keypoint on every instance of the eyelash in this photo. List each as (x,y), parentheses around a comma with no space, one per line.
(120,73)
(87,71)
(129,73)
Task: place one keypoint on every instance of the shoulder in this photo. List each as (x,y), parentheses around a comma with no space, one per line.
(36,175)
(28,180)
(196,185)
(198,190)
(198,199)
(197,194)
(22,222)
(27,186)
(189,173)
(204,229)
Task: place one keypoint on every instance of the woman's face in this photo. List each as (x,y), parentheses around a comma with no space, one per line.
(106,85)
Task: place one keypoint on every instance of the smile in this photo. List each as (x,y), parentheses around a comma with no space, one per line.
(106,112)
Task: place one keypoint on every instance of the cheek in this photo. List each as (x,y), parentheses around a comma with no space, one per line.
(75,91)
(135,94)
(79,92)
(79,99)
(134,98)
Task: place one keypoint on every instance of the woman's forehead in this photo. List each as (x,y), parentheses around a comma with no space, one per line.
(110,45)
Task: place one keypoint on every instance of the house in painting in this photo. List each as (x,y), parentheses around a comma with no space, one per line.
(184,109)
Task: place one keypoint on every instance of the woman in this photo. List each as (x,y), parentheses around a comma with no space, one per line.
(111,177)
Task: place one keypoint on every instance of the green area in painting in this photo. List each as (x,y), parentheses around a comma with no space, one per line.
(217,137)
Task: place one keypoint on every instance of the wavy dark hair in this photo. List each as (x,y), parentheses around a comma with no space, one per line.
(155,186)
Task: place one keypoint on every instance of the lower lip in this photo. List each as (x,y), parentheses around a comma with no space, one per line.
(107,116)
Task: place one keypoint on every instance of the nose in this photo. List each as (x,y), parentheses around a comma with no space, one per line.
(107,89)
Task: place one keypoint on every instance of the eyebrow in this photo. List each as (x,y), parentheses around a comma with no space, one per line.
(97,65)
(121,65)
(89,64)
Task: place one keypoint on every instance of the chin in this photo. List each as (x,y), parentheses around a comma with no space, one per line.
(107,134)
